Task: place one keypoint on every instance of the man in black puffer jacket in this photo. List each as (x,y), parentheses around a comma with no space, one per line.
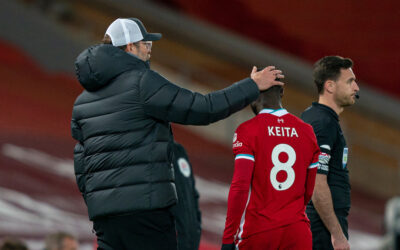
(123,158)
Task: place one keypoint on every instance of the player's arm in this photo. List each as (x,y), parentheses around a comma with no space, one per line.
(322,200)
(312,169)
(310,182)
(238,196)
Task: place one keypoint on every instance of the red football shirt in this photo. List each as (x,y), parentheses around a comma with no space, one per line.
(276,155)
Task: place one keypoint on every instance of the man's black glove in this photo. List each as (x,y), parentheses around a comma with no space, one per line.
(228,246)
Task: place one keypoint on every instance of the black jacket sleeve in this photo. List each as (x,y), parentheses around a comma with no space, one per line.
(79,167)
(166,101)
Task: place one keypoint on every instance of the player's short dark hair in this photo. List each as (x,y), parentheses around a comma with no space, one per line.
(269,97)
(328,68)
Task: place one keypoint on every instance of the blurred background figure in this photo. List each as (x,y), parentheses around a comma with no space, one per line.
(13,244)
(61,241)
(186,211)
(392,225)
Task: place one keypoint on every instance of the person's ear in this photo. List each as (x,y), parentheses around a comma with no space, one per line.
(128,47)
(329,86)
(253,106)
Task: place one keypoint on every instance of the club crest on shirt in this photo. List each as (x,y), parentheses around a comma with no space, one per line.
(184,167)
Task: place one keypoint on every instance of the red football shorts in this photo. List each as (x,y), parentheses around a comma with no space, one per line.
(296,236)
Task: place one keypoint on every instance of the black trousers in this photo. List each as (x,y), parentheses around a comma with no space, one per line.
(148,230)
(320,234)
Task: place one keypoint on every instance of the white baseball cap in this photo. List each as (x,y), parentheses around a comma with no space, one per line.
(129,30)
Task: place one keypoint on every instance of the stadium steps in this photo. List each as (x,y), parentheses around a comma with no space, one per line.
(372,140)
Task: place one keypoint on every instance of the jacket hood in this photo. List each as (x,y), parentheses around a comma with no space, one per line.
(97,65)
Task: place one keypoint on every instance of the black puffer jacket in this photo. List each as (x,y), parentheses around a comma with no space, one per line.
(121,123)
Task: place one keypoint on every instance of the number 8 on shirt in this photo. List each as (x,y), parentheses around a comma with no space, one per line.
(283,166)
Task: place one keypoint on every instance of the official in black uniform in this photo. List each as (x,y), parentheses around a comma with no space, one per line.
(186,211)
(330,204)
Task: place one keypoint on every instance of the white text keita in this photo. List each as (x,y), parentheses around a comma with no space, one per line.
(282,131)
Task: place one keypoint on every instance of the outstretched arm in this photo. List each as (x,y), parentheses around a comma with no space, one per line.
(166,101)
